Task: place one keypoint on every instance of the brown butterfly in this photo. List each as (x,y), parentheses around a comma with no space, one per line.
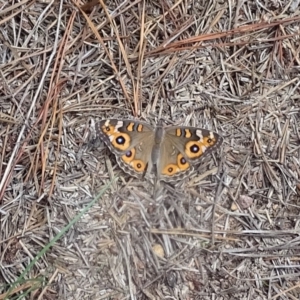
(172,151)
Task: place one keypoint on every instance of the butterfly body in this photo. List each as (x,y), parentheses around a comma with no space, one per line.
(171,151)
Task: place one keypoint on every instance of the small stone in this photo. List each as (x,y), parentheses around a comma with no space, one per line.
(158,250)
(245,201)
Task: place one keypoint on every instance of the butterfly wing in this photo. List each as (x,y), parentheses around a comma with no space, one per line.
(130,141)
(181,148)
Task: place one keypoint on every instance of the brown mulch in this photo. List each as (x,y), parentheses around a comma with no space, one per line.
(229,231)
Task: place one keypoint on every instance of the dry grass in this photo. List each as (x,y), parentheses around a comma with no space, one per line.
(231,231)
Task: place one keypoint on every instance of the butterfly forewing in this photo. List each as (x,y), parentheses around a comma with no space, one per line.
(130,141)
(193,143)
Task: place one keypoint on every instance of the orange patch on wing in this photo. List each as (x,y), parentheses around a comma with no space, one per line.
(194,149)
(178,132)
(138,165)
(129,156)
(188,133)
(208,141)
(119,140)
(140,128)
(130,126)
(107,129)
(182,163)
(170,169)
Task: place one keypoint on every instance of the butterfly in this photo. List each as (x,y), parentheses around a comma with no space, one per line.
(171,151)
